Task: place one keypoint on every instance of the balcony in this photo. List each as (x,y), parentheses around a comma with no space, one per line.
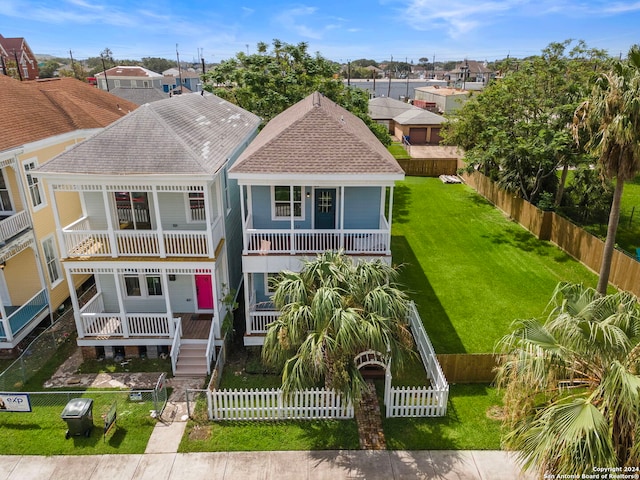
(97,323)
(18,318)
(305,241)
(13,225)
(82,241)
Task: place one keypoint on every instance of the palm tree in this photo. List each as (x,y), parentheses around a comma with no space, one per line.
(612,117)
(571,384)
(331,311)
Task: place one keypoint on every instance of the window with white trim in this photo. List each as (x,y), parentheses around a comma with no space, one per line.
(195,207)
(5,196)
(35,187)
(51,260)
(142,286)
(283,203)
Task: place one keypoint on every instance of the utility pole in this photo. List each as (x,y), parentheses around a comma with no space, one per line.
(15,55)
(179,69)
(104,71)
(389,88)
(348,73)
(407,63)
(73,67)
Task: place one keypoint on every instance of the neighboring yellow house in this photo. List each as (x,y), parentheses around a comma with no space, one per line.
(41,119)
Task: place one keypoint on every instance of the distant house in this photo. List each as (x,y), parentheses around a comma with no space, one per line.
(383,110)
(128,77)
(314,179)
(159,229)
(15,52)
(41,119)
(418,127)
(446,99)
(189,79)
(471,75)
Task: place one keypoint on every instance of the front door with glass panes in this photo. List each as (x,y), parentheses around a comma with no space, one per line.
(132,209)
(325,208)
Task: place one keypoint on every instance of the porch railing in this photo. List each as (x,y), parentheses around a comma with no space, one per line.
(258,321)
(22,316)
(96,324)
(375,241)
(81,241)
(211,346)
(10,227)
(175,345)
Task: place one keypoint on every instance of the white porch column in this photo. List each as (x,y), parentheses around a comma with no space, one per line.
(216,300)
(5,318)
(208,219)
(243,217)
(167,300)
(248,283)
(110,227)
(123,313)
(156,207)
(389,218)
(292,225)
(342,245)
(73,295)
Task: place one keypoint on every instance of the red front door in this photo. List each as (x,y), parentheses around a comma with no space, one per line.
(204,292)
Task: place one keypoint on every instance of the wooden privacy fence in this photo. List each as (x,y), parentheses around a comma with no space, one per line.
(429,167)
(572,239)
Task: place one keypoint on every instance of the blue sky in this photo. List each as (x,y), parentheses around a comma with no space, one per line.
(339,29)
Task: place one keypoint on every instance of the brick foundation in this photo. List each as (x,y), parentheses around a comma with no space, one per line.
(88,353)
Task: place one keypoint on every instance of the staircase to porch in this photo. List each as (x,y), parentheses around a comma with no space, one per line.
(192,360)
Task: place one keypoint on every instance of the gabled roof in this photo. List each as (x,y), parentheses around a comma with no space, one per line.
(182,135)
(35,110)
(385,108)
(139,96)
(315,137)
(419,116)
(129,71)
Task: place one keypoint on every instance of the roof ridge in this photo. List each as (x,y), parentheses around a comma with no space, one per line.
(195,156)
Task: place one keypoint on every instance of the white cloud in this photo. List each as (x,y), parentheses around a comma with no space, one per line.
(306,22)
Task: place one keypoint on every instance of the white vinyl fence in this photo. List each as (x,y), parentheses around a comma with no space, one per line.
(273,404)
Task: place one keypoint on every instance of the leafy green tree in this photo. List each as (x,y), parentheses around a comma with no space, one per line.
(518,128)
(588,196)
(331,311)
(76,70)
(571,384)
(156,64)
(270,81)
(611,115)
(49,68)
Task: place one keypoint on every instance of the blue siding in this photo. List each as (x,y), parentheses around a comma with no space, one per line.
(261,210)
(362,207)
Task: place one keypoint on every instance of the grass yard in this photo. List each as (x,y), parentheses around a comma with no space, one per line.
(42,431)
(472,423)
(398,151)
(470,270)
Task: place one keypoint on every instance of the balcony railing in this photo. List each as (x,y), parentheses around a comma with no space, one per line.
(10,227)
(109,325)
(24,315)
(315,241)
(81,241)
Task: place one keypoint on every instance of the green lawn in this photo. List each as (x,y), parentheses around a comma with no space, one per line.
(470,270)
(42,431)
(398,151)
(472,423)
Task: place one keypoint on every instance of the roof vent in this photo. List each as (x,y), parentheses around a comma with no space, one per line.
(316,99)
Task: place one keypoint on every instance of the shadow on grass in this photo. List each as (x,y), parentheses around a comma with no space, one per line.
(527,242)
(401,203)
(436,321)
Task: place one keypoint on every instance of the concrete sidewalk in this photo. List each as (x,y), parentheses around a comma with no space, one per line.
(331,464)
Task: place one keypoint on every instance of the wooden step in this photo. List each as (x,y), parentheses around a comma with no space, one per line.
(192,361)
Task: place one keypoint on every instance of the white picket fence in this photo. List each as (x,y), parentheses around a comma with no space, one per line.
(273,404)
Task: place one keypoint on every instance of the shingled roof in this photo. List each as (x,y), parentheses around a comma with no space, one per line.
(36,110)
(182,135)
(315,137)
(419,116)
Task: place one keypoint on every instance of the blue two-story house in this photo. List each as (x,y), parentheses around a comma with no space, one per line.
(314,179)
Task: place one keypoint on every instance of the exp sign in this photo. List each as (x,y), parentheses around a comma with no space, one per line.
(15,402)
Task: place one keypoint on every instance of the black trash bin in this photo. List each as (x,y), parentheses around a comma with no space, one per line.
(79,417)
